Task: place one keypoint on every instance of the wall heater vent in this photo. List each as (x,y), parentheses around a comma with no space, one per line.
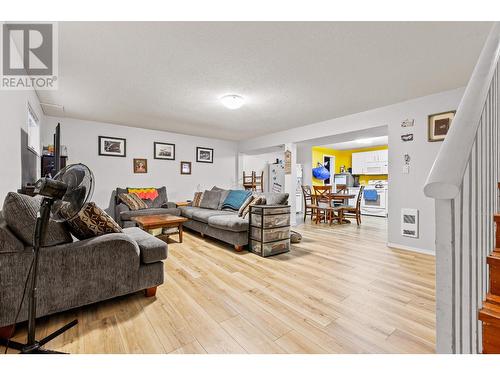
(409,222)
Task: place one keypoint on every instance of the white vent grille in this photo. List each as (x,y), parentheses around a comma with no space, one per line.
(409,222)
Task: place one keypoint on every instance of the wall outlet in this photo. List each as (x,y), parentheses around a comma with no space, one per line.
(406,169)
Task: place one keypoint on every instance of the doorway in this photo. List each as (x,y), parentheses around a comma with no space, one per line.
(329,164)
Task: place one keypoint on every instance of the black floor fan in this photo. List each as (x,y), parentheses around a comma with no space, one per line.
(64,197)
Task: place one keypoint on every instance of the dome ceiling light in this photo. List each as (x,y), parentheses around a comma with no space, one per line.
(232,101)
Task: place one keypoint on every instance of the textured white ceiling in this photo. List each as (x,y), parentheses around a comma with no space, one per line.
(169,75)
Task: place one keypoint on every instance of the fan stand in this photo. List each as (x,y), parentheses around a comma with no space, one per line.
(33,346)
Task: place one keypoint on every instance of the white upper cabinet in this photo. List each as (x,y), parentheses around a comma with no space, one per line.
(370,162)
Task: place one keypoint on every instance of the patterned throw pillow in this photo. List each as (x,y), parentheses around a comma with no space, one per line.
(252,201)
(144,193)
(132,201)
(92,222)
(198,196)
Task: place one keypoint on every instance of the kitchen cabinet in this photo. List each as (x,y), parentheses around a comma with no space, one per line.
(370,162)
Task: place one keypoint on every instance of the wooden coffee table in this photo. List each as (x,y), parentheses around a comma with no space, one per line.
(150,222)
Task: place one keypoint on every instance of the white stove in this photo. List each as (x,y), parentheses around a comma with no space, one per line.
(375,206)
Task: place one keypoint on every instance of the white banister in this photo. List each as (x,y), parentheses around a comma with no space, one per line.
(463,181)
(447,172)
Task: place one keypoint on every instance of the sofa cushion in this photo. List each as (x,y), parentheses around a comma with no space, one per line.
(223,195)
(20,212)
(203,214)
(152,249)
(231,222)
(235,199)
(128,215)
(92,221)
(187,211)
(210,200)
(275,198)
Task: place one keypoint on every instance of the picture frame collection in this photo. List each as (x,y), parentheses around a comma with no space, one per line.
(117,147)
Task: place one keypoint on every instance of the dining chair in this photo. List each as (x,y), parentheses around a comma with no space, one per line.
(259,182)
(340,189)
(325,208)
(249,181)
(354,212)
(309,202)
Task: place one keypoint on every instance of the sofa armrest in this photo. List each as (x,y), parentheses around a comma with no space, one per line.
(119,208)
(70,275)
(169,205)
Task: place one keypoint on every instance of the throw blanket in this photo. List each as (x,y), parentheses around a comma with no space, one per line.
(235,199)
(144,193)
(370,195)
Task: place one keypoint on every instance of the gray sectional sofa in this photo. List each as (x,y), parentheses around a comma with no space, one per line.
(160,206)
(78,273)
(225,225)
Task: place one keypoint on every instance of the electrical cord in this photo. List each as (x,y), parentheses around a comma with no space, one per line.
(20,305)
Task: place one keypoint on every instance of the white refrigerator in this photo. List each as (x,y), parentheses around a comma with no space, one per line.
(276,178)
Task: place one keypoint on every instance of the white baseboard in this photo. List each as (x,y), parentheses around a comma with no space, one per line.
(410,248)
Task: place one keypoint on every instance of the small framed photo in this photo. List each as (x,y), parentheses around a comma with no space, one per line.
(185,167)
(140,165)
(439,124)
(164,151)
(111,146)
(204,155)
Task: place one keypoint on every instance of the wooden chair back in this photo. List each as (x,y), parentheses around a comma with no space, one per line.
(358,200)
(323,194)
(306,192)
(341,188)
(259,181)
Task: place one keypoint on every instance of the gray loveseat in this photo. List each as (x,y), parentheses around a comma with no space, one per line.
(225,225)
(160,206)
(80,272)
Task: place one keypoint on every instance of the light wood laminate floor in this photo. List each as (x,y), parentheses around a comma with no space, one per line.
(341,290)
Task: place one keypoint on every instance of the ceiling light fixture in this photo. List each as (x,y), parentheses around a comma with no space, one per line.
(232,101)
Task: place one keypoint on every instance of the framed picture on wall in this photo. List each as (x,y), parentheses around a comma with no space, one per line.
(164,151)
(204,155)
(185,167)
(140,165)
(111,146)
(439,124)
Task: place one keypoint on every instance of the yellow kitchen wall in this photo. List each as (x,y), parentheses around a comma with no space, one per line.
(343,157)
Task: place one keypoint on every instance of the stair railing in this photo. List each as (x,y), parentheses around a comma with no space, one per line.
(463,182)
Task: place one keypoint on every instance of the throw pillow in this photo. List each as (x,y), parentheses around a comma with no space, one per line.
(198,196)
(210,199)
(20,212)
(223,195)
(256,200)
(144,193)
(92,221)
(235,199)
(132,201)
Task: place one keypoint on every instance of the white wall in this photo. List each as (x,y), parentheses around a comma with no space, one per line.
(259,163)
(405,190)
(13,118)
(81,139)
